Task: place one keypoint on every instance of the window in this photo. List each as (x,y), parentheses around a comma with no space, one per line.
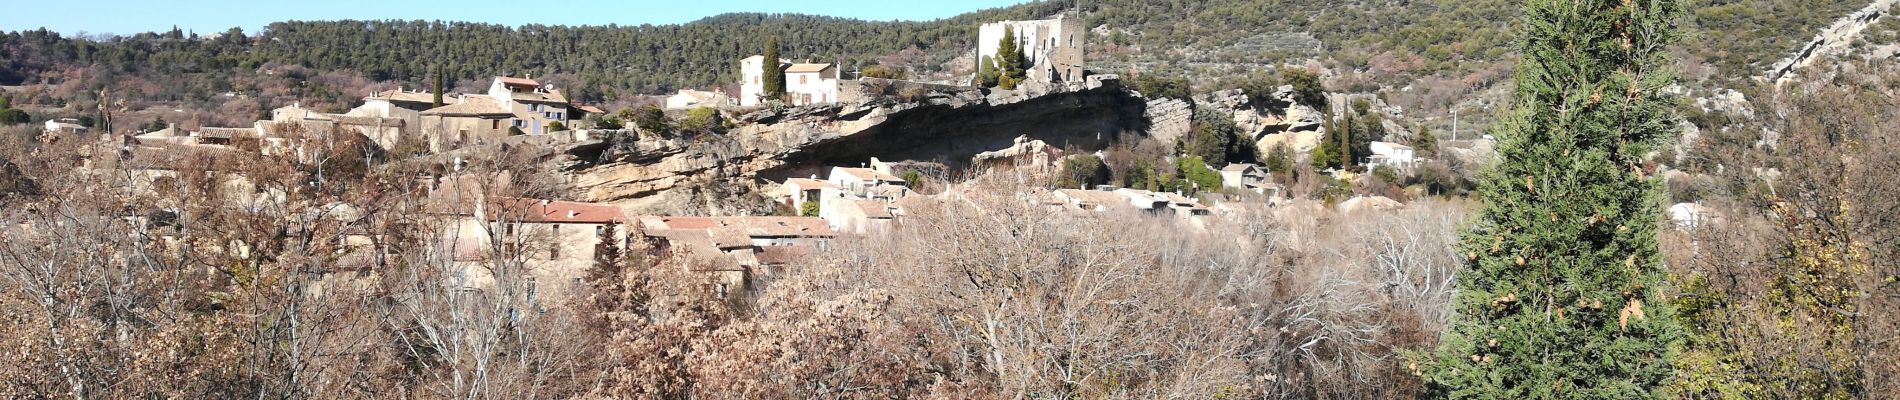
(801,79)
(530,286)
(494,124)
(600,230)
(554,251)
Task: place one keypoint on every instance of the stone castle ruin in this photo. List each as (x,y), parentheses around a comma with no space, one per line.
(1052,48)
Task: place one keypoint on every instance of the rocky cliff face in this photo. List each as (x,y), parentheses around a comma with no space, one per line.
(702,174)
(1266,121)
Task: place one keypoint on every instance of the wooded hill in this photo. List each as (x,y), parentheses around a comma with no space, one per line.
(1390,43)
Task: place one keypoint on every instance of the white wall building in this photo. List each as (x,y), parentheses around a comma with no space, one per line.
(808,84)
(1052,49)
(805,83)
(1391,154)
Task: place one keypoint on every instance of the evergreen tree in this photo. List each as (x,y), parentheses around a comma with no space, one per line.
(1561,295)
(1307,88)
(774,73)
(1279,159)
(1009,60)
(1344,141)
(437,87)
(1425,142)
(986,72)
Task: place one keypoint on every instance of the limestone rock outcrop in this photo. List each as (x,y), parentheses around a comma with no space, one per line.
(943,126)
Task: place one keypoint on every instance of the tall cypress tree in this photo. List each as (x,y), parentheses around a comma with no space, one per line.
(774,78)
(1561,293)
(1009,60)
(437,87)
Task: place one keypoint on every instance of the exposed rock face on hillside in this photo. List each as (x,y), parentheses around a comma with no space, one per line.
(943,126)
(1267,121)
(1835,39)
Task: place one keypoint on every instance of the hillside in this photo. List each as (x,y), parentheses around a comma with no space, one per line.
(1424,56)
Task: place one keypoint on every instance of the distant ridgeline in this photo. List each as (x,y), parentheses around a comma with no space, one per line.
(1393,41)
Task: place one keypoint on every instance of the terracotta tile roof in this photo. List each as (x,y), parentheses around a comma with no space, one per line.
(552,96)
(590,109)
(554,211)
(868,174)
(1237,167)
(513,81)
(810,184)
(226,133)
(802,67)
(474,107)
(725,238)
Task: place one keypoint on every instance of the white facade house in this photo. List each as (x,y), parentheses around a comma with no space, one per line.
(752,80)
(64,125)
(805,83)
(808,84)
(1052,49)
(861,182)
(1391,154)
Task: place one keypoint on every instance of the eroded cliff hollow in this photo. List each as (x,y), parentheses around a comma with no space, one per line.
(940,124)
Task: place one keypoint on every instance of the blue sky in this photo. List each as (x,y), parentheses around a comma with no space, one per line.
(207,16)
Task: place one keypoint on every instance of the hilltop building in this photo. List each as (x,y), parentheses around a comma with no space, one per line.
(805,83)
(1052,49)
